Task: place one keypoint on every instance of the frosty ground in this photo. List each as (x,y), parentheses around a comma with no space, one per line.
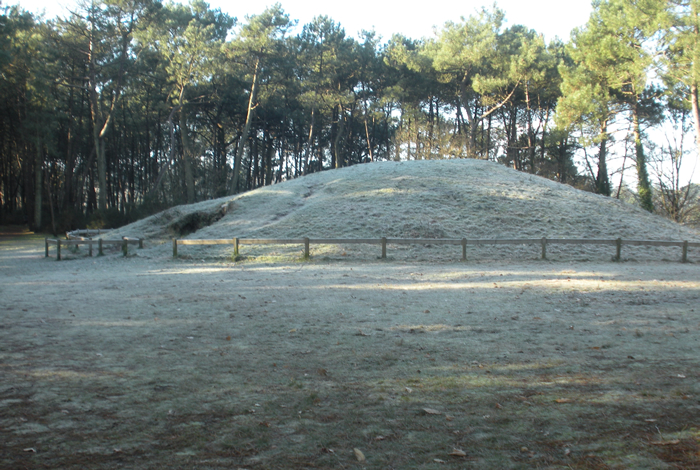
(349,361)
(147,361)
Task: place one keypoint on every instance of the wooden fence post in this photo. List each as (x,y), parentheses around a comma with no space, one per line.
(174,247)
(383,247)
(685,252)
(235,247)
(99,248)
(58,249)
(464,249)
(90,245)
(618,249)
(544,247)
(140,243)
(125,246)
(306,248)
(46,240)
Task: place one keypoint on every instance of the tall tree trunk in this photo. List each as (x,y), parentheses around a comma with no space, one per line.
(472,117)
(488,138)
(543,147)
(187,153)
(696,112)
(246,130)
(269,150)
(431,128)
(173,146)
(96,116)
(473,124)
(473,132)
(101,175)
(369,144)
(530,132)
(334,137)
(602,183)
(310,147)
(221,171)
(513,138)
(38,186)
(338,140)
(68,198)
(102,119)
(561,160)
(48,195)
(643,185)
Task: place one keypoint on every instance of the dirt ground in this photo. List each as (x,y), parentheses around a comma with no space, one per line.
(149,362)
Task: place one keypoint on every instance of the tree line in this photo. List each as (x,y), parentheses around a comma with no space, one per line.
(125,107)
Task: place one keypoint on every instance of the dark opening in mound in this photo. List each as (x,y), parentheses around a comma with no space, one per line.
(190,223)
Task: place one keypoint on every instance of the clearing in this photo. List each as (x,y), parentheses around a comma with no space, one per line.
(418,361)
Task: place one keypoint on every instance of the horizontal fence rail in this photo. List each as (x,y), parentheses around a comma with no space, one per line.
(77,241)
(464,242)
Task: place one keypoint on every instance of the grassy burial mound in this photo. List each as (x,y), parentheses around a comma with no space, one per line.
(419,199)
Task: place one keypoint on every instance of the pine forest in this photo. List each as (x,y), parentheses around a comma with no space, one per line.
(127,107)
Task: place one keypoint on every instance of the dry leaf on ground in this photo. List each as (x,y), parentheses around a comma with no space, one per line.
(431,411)
(458,453)
(359,455)
(665,443)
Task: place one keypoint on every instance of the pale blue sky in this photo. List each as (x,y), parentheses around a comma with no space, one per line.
(550,17)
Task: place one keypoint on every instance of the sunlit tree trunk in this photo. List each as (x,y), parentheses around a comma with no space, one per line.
(696,112)
(246,130)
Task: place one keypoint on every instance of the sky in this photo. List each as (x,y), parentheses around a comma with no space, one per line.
(549,17)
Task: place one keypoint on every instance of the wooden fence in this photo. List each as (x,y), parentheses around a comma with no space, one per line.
(543,242)
(77,241)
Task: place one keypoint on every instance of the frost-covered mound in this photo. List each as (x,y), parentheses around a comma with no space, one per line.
(416,199)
